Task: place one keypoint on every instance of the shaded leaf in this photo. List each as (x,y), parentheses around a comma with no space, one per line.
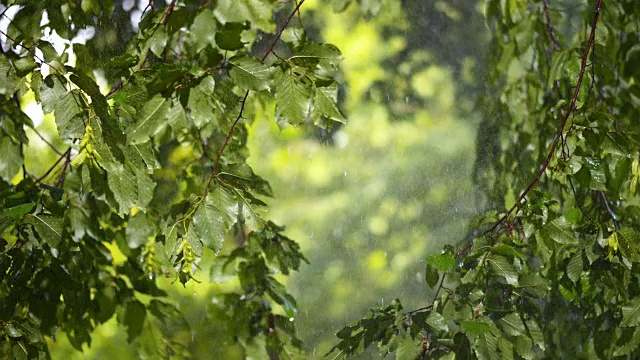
(11,159)
(502,267)
(575,266)
(249,73)
(201,105)
(431,276)
(150,120)
(135,314)
(511,324)
(98,101)
(49,227)
(437,321)
(228,37)
(559,231)
(475,327)
(631,313)
(325,103)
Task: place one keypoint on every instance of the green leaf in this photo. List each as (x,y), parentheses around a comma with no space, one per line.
(511,324)
(506,250)
(486,347)
(134,316)
(575,266)
(629,243)
(501,266)
(506,348)
(340,5)
(560,231)
(437,321)
(630,346)
(200,31)
(215,217)
(201,103)
(309,55)
(431,276)
(228,37)
(16,212)
(325,103)
(408,348)
(292,98)
(257,12)
(49,227)
(11,159)
(68,111)
(7,77)
(138,230)
(98,101)
(52,89)
(25,65)
(151,119)
(556,71)
(123,183)
(176,117)
(443,262)
(158,41)
(249,73)
(631,313)
(535,333)
(475,327)
(20,351)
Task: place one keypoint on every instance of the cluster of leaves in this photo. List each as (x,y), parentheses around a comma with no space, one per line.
(554,271)
(154,171)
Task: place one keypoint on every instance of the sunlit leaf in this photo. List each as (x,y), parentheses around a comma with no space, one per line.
(214,218)
(292,97)
(443,262)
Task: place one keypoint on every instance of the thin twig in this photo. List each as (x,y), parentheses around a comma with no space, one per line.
(243,103)
(609,210)
(168,11)
(279,34)
(561,126)
(62,156)
(435,296)
(46,141)
(552,34)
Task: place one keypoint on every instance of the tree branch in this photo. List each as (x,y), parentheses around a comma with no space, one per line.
(561,126)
